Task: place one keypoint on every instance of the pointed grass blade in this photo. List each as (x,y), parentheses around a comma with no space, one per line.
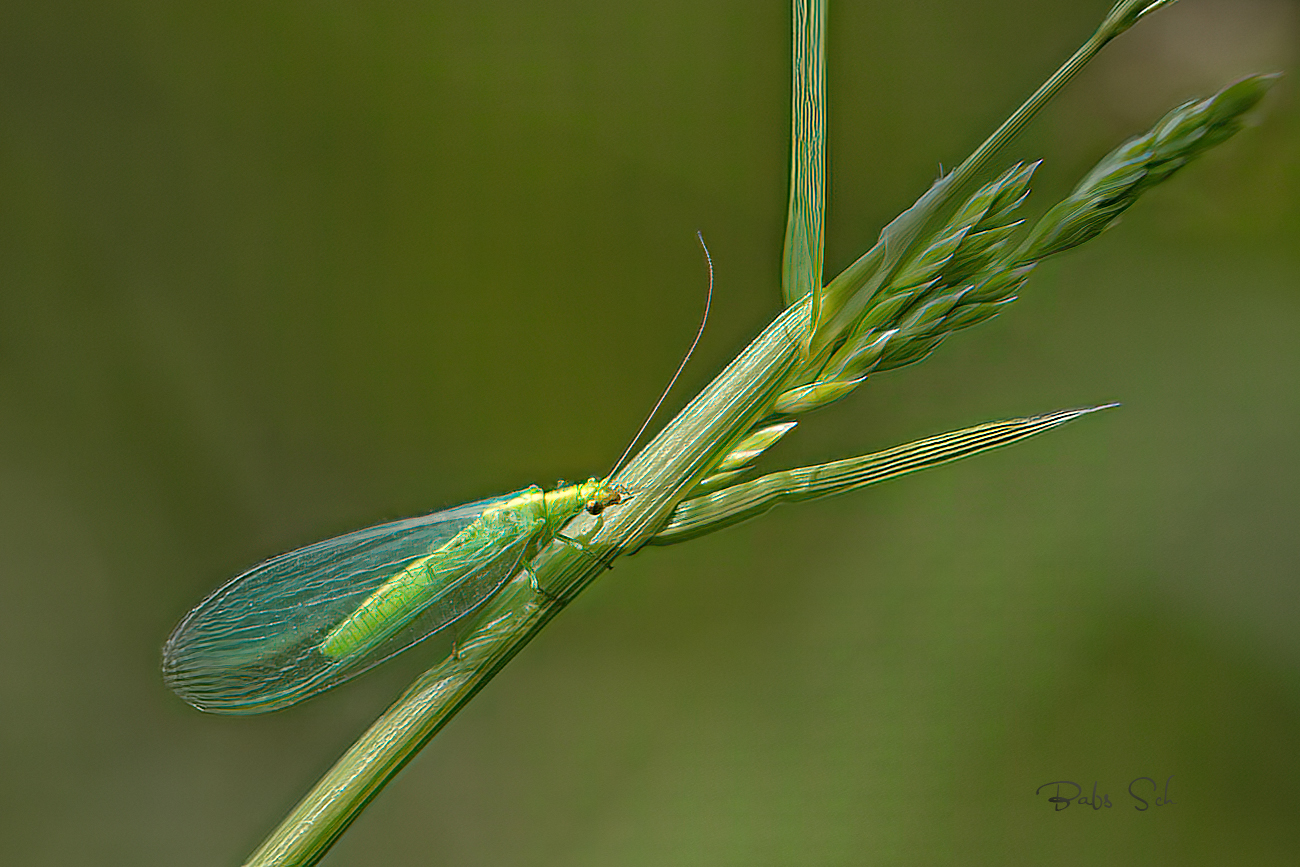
(729,506)
(801,264)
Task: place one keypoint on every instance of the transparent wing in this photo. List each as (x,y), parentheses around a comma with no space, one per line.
(252,646)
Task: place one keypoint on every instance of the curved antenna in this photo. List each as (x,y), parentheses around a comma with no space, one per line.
(708,302)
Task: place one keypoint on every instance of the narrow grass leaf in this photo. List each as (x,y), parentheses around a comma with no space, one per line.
(729,506)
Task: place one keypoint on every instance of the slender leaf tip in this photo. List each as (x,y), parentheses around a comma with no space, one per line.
(1126,13)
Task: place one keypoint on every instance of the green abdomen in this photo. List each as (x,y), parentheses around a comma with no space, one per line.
(443,585)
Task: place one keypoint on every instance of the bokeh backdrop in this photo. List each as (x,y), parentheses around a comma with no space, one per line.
(274,270)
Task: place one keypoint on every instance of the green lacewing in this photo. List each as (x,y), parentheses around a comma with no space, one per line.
(307,620)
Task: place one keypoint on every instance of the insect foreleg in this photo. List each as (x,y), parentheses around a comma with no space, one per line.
(537,586)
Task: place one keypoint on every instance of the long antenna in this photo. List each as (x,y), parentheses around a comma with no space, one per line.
(708,302)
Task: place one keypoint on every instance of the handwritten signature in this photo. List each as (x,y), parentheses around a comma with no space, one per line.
(1067,792)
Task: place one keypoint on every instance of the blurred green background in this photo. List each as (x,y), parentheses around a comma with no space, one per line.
(271,271)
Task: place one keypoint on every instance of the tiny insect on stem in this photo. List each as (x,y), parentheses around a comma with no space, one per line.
(308,620)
